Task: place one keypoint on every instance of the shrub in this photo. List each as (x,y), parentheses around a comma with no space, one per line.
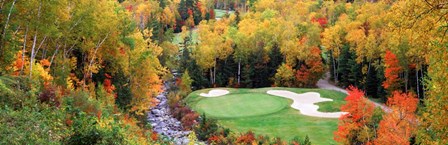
(15,92)
(247,138)
(48,95)
(32,125)
(206,128)
(298,141)
(186,116)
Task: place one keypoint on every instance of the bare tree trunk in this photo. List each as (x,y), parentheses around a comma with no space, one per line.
(32,52)
(6,25)
(423,89)
(217,1)
(34,43)
(211,76)
(214,74)
(54,54)
(23,50)
(337,67)
(417,80)
(239,71)
(406,79)
(368,73)
(225,4)
(40,46)
(335,71)
(100,42)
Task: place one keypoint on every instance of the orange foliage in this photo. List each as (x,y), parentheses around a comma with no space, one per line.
(214,139)
(308,76)
(399,125)
(99,113)
(154,136)
(359,109)
(391,72)
(122,51)
(18,64)
(302,76)
(247,138)
(316,66)
(45,62)
(68,122)
(107,84)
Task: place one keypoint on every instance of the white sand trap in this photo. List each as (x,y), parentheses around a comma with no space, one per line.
(215,93)
(305,103)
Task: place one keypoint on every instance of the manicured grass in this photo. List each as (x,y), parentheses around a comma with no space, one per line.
(285,123)
(241,105)
(220,13)
(333,106)
(178,40)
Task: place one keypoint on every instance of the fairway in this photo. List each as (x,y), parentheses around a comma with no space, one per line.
(252,109)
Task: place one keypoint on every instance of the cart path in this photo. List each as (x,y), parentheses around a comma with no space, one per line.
(325,84)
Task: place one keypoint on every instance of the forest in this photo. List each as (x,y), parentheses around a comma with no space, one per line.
(92,72)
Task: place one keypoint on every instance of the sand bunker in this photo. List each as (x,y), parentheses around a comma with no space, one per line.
(215,93)
(305,103)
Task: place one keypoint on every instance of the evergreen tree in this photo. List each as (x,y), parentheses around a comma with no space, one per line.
(228,68)
(183,10)
(344,67)
(355,76)
(246,76)
(380,78)
(371,84)
(276,59)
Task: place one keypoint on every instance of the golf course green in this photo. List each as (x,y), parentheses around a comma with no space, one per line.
(253,109)
(241,105)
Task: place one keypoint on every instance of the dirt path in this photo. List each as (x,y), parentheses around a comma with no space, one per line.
(325,84)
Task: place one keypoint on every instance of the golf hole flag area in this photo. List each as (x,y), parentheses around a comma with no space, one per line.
(277,112)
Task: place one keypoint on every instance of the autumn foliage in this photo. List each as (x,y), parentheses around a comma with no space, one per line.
(321,21)
(359,113)
(391,72)
(302,76)
(107,84)
(398,126)
(212,14)
(246,138)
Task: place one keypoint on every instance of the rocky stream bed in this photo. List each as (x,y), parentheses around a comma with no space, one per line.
(164,123)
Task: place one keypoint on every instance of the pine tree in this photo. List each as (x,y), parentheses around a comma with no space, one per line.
(355,75)
(371,84)
(344,67)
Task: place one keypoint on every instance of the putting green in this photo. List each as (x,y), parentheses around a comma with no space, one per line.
(241,105)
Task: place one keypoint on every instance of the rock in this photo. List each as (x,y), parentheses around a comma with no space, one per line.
(163,123)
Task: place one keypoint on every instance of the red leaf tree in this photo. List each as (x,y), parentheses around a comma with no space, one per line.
(309,74)
(107,84)
(399,125)
(212,14)
(391,72)
(355,126)
(321,21)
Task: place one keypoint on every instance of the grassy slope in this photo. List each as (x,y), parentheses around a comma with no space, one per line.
(286,123)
